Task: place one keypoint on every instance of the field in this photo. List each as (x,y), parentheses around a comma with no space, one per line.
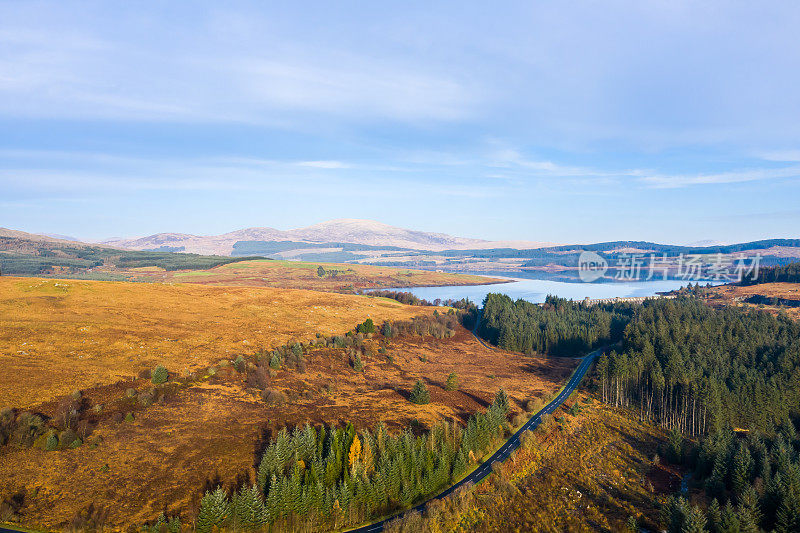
(60,335)
(303,275)
(770,297)
(139,458)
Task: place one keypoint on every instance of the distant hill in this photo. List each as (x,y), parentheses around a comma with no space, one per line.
(346,230)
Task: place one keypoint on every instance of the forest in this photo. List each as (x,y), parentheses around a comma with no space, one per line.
(781,273)
(325,478)
(687,366)
(558,327)
(752,481)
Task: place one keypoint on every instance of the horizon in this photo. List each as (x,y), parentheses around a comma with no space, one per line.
(670,123)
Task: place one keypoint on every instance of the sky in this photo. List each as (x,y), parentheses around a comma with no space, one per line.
(545,121)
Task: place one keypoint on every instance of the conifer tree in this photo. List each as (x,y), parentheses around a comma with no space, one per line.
(420,394)
(452,382)
(214,511)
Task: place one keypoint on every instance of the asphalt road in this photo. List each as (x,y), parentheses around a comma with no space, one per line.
(506,450)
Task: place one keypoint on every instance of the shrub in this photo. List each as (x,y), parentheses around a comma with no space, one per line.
(159,375)
(51,443)
(146,398)
(275,361)
(368,326)
(420,394)
(240,364)
(129,417)
(358,365)
(387,330)
(297,349)
(66,438)
(452,382)
(273,397)
(527,440)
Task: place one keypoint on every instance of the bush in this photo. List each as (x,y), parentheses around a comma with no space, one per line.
(275,361)
(240,364)
(129,417)
(420,394)
(273,397)
(51,443)
(452,382)
(368,326)
(159,375)
(66,438)
(146,398)
(358,365)
(527,440)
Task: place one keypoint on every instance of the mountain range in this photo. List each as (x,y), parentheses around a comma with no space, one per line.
(347,230)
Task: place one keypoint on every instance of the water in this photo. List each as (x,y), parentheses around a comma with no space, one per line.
(536,290)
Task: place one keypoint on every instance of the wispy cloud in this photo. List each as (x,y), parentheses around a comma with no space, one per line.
(324,164)
(666,181)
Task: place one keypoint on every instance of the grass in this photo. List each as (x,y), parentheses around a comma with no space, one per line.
(59,335)
(212,426)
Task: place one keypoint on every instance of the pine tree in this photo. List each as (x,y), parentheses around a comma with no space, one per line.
(740,472)
(420,394)
(452,382)
(214,510)
(248,508)
(695,521)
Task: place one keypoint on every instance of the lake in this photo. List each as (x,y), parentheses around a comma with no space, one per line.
(536,290)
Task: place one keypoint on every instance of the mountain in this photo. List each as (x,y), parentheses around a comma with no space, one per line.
(346,230)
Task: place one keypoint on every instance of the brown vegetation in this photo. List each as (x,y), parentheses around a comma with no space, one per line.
(60,335)
(149,447)
(588,471)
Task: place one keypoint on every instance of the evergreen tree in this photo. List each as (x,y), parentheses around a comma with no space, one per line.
(452,382)
(214,511)
(420,394)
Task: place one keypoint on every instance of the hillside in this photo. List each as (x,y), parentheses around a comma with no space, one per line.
(148,448)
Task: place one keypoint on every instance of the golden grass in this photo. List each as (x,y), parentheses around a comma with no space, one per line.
(60,335)
(733,294)
(162,459)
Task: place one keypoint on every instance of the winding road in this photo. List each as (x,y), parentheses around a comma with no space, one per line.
(506,450)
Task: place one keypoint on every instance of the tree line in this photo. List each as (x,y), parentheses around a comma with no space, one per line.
(325,478)
(557,327)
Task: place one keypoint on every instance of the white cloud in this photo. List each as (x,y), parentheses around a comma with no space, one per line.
(666,181)
(323,164)
(781,155)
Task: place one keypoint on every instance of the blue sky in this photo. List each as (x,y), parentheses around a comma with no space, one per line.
(549,121)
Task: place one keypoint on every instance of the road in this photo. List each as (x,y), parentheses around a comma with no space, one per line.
(507,449)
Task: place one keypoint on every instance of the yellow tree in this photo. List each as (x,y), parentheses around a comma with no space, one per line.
(355,450)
